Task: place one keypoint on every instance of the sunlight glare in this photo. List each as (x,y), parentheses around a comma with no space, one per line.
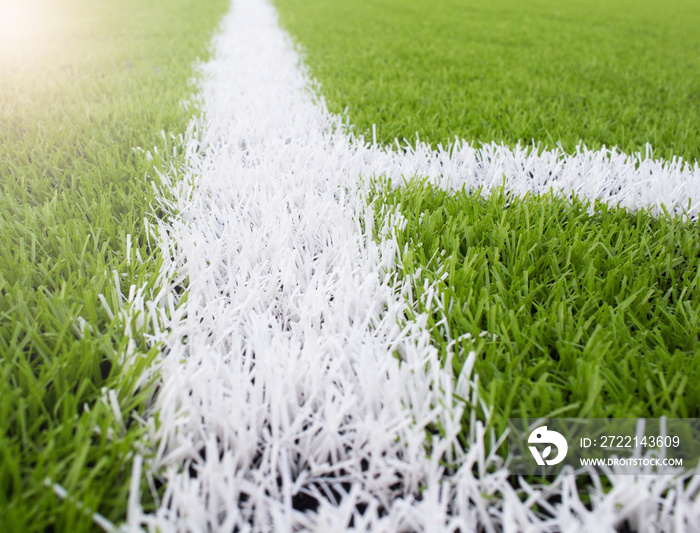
(23,26)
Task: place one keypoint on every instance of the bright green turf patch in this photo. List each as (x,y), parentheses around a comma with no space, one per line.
(615,73)
(99,79)
(593,316)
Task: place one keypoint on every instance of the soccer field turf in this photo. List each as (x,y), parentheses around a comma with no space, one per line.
(269,257)
(86,88)
(589,316)
(617,73)
(571,307)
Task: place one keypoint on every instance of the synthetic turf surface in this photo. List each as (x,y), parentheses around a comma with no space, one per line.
(593,315)
(42,351)
(92,83)
(258,235)
(616,73)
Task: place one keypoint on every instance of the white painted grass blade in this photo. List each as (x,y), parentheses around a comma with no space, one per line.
(97,518)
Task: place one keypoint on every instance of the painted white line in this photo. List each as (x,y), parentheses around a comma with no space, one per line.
(282,404)
(630,181)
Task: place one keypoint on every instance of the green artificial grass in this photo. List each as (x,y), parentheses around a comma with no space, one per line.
(586,315)
(94,81)
(616,73)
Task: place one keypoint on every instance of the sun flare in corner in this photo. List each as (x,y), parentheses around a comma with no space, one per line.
(24,27)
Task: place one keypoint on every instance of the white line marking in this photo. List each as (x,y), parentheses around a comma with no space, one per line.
(97,518)
(282,406)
